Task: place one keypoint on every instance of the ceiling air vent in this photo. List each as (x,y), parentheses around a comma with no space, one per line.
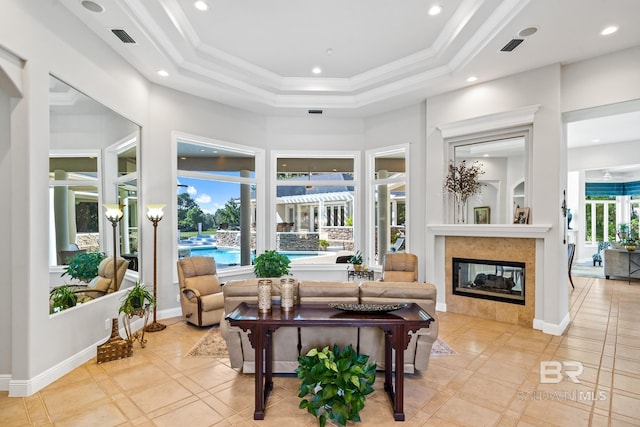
(513,43)
(123,36)
(315,111)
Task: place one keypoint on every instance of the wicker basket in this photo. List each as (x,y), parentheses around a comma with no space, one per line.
(115,347)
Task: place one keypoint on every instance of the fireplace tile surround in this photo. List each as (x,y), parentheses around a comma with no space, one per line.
(499,249)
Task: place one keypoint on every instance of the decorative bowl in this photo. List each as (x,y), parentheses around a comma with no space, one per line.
(631,248)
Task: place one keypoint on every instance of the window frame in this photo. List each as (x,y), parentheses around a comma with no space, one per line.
(372,181)
(257,181)
(353,155)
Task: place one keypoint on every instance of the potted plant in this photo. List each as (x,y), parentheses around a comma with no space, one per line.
(136,298)
(135,302)
(335,383)
(324,244)
(271,264)
(629,243)
(84,266)
(623,231)
(62,298)
(356,260)
(463,181)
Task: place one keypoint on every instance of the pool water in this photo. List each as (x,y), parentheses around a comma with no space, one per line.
(229,257)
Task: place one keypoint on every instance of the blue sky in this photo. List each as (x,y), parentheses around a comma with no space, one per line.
(209,195)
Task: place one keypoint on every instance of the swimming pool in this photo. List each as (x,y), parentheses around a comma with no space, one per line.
(231,257)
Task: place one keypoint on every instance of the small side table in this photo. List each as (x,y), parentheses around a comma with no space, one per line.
(634,266)
(353,274)
(142,313)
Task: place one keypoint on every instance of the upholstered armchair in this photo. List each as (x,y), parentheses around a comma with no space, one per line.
(200,291)
(103,283)
(400,267)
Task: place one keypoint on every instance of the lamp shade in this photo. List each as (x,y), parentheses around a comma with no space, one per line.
(113,212)
(154,212)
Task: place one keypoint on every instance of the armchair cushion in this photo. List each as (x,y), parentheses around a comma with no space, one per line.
(204,284)
(197,266)
(400,267)
(212,302)
(100,284)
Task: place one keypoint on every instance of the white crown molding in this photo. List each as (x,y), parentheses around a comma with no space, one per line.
(517,117)
(229,76)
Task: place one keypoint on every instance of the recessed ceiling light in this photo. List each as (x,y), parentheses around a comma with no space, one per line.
(92,6)
(485,155)
(316,70)
(472,79)
(609,30)
(163,73)
(435,10)
(595,140)
(329,51)
(529,31)
(201,5)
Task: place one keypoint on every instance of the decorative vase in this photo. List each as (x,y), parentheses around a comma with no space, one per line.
(631,248)
(287,292)
(461,211)
(264,295)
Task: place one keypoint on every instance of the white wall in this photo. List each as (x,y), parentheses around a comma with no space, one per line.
(36,32)
(541,86)
(406,126)
(5,231)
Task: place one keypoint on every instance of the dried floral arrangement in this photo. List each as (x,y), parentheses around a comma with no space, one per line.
(463,180)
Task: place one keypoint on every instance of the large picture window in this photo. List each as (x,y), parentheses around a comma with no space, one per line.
(314,206)
(216,202)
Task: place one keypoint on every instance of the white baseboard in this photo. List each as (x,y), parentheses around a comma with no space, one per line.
(552,328)
(23,388)
(441,306)
(172,312)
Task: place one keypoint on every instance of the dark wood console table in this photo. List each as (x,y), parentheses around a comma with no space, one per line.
(396,326)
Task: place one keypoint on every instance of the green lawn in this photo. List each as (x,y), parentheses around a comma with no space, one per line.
(187,234)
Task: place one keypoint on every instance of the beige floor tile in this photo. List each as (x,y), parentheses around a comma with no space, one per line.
(494,379)
(466,413)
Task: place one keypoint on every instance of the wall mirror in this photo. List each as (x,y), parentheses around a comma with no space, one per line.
(92,160)
(503,157)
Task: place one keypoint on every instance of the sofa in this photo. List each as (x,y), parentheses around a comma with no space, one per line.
(616,263)
(289,343)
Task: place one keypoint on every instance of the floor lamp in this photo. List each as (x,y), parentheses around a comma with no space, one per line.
(114,215)
(154,213)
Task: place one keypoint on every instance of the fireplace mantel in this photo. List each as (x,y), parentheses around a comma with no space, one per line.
(531,231)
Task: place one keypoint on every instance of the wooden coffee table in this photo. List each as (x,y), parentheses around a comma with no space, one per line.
(396,326)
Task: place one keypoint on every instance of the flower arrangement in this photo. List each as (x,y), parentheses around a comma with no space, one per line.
(463,181)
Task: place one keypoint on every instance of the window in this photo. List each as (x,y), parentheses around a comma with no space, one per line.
(388,174)
(74,203)
(314,200)
(216,202)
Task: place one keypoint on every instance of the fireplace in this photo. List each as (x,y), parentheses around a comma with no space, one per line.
(488,279)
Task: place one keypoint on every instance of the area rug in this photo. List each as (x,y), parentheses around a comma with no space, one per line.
(213,345)
(441,348)
(210,345)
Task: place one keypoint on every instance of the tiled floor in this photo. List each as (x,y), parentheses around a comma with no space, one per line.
(494,379)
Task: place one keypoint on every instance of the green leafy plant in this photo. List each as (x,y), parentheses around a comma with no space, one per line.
(271,264)
(324,244)
(136,298)
(84,267)
(356,258)
(62,298)
(335,383)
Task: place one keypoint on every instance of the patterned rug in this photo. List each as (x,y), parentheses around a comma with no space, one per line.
(441,348)
(210,345)
(213,345)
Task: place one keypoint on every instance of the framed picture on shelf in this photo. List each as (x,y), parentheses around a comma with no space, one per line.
(482,215)
(521,216)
